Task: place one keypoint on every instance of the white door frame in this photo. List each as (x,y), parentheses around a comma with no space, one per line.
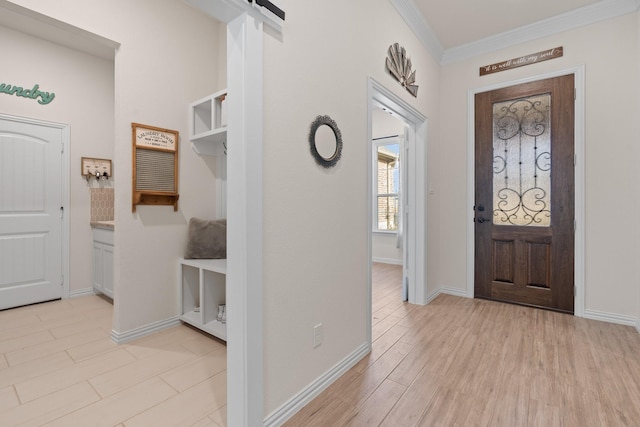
(579,150)
(64,182)
(379,96)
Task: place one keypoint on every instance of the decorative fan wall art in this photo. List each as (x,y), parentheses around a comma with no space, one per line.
(399,65)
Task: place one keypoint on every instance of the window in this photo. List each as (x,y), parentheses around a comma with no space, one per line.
(386,184)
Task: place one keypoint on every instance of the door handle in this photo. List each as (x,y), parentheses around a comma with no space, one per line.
(480,219)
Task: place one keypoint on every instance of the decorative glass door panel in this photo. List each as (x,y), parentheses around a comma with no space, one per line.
(522,162)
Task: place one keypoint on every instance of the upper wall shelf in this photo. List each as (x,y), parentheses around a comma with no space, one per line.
(209,124)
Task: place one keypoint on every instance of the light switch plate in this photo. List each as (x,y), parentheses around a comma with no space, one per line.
(317,335)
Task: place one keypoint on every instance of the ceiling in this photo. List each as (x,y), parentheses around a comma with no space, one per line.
(458,29)
(459,22)
(450,29)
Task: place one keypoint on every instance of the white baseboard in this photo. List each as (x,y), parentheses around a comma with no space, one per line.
(455,292)
(433,296)
(151,328)
(81,293)
(387,260)
(448,291)
(289,409)
(611,318)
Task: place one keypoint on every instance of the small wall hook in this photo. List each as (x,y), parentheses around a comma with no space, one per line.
(105,175)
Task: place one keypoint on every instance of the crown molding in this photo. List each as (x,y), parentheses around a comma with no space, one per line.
(421,28)
(35,24)
(567,21)
(587,15)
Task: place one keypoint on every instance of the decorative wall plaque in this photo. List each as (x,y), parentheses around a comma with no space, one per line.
(399,65)
(155,166)
(532,58)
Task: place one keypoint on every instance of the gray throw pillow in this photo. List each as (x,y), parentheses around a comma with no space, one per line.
(207,239)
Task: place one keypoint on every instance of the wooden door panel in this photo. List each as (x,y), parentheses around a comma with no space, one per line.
(505,252)
(538,297)
(525,199)
(538,265)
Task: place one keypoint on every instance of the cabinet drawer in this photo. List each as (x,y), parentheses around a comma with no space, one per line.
(102,235)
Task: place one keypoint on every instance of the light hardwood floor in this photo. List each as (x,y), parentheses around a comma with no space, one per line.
(465,362)
(59,367)
(454,362)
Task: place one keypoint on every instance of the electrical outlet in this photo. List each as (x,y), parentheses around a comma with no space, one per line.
(317,335)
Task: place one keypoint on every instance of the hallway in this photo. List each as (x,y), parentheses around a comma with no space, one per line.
(458,362)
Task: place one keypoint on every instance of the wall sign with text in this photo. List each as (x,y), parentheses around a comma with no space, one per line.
(532,58)
(155,166)
(34,93)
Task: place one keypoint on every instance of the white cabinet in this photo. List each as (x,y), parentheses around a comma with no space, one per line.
(208,133)
(103,261)
(203,288)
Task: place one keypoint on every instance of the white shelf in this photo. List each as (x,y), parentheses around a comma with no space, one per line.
(203,286)
(215,265)
(208,130)
(214,327)
(211,143)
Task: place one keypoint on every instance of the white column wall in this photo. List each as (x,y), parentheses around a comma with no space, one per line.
(315,219)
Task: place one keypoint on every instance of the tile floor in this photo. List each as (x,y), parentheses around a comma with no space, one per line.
(59,367)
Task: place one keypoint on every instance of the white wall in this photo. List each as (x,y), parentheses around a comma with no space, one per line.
(315,219)
(609,51)
(167,58)
(384,245)
(83,85)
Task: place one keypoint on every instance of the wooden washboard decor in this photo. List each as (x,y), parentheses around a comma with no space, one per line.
(155,166)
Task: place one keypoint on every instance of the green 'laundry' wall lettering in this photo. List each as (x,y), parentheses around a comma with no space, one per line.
(34,93)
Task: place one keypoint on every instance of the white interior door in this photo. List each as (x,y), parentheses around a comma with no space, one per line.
(31,201)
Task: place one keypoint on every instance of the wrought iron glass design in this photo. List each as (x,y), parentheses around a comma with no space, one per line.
(522,162)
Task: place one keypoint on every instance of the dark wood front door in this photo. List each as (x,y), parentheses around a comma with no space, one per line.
(524,194)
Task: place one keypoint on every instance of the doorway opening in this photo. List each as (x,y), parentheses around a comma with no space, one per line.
(388,186)
(402,221)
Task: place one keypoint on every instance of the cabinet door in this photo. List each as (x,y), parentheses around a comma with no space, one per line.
(107,270)
(97,267)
